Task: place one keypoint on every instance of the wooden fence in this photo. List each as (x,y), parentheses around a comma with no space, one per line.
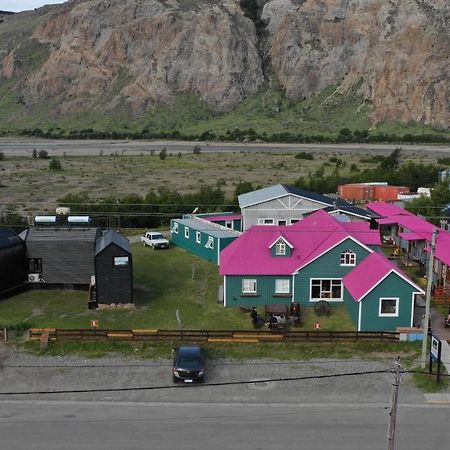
(242,336)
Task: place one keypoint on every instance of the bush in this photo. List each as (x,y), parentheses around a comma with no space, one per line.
(2,156)
(304,155)
(197,150)
(43,154)
(55,164)
(163,153)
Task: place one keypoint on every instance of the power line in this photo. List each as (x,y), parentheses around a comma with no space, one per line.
(206,385)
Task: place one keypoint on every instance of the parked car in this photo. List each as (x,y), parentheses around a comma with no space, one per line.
(189,364)
(154,239)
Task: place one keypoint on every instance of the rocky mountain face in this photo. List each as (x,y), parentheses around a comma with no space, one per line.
(133,54)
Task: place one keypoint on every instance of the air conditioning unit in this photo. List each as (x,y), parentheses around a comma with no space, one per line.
(34,277)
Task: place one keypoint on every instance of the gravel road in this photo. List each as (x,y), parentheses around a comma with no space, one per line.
(21,372)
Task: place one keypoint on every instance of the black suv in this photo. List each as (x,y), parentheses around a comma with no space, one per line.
(189,364)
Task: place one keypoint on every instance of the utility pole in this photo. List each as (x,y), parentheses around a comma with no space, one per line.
(426,319)
(397,371)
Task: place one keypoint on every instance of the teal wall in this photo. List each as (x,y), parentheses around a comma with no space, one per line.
(352,307)
(327,266)
(392,286)
(190,244)
(265,294)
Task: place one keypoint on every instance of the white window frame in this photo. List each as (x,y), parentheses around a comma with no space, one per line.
(198,237)
(229,224)
(397,305)
(186,232)
(328,299)
(348,258)
(292,221)
(282,224)
(249,286)
(282,286)
(175,228)
(210,243)
(280,248)
(266,221)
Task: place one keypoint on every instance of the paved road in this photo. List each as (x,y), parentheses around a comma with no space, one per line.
(23,147)
(101,425)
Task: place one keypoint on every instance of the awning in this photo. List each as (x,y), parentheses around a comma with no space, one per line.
(386,221)
(410,236)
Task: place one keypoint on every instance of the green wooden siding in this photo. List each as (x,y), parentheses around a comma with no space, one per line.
(265,291)
(326,266)
(392,286)
(198,248)
(273,250)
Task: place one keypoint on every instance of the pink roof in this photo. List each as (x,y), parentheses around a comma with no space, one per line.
(409,236)
(443,247)
(310,237)
(361,280)
(387,209)
(219,218)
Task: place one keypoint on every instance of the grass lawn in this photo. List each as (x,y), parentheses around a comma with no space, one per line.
(164,281)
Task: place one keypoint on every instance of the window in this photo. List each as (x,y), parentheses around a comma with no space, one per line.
(280,247)
(175,228)
(198,237)
(348,258)
(266,221)
(282,286)
(292,221)
(326,289)
(388,307)
(228,223)
(282,222)
(248,286)
(121,261)
(210,243)
(186,232)
(35,265)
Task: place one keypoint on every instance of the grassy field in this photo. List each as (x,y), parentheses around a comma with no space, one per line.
(29,183)
(164,281)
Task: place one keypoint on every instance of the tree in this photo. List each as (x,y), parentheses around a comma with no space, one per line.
(55,164)
(163,154)
(242,188)
(35,153)
(43,154)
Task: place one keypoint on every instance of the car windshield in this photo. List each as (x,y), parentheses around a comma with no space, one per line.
(189,362)
(158,236)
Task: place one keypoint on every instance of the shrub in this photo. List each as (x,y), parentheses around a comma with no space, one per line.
(197,150)
(2,156)
(304,155)
(43,154)
(55,164)
(163,153)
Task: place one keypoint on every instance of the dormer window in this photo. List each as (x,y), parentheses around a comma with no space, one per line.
(348,258)
(280,248)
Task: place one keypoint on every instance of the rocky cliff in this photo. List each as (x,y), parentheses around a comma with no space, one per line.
(133,54)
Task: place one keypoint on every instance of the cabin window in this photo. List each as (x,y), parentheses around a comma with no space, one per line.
(210,243)
(292,221)
(35,265)
(265,221)
(248,286)
(175,228)
(228,223)
(282,222)
(186,232)
(388,307)
(121,261)
(348,258)
(282,286)
(326,289)
(198,237)
(280,248)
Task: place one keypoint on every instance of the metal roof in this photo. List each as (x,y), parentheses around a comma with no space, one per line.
(112,237)
(210,228)
(35,234)
(8,237)
(279,190)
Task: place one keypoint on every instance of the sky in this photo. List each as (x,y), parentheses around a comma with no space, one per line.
(23,5)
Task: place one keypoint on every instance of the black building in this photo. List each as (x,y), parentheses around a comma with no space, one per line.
(113,269)
(60,255)
(13,266)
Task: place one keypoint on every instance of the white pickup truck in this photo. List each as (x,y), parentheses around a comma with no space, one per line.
(154,239)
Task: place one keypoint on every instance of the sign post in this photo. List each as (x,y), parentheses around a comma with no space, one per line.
(435,355)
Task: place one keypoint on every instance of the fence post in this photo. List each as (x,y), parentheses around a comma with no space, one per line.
(5,334)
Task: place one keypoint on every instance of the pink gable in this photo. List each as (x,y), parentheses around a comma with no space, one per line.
(361,280)
(310,238)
